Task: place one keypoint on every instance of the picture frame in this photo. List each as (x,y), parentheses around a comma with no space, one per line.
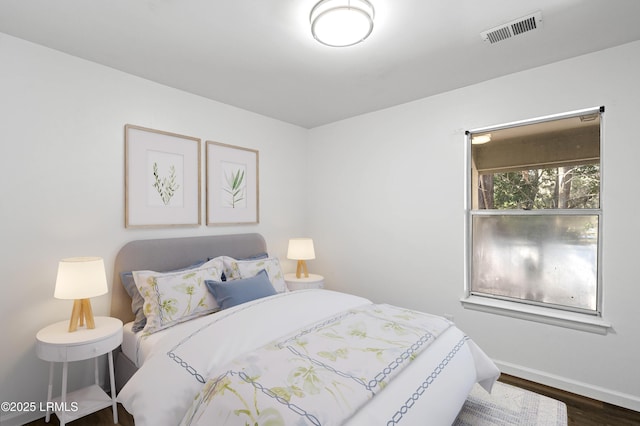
(162,179)
(232,177)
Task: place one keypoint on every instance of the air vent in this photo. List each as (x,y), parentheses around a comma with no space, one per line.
(513,28)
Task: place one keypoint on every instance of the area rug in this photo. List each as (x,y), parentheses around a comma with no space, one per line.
(509,405)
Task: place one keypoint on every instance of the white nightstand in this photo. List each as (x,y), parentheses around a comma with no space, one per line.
(56,344)
(312,281)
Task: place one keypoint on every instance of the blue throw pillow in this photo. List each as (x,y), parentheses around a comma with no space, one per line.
(137,301)
(232,293)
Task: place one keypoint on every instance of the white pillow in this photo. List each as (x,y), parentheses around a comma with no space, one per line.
(251,268)
(174,297)
(231,271)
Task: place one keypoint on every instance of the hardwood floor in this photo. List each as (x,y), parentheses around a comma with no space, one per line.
(581,411)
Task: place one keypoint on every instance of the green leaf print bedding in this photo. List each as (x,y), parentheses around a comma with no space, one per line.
(319,375)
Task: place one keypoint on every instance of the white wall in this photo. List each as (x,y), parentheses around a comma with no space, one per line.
(385,201)
(386,210)
(62,166)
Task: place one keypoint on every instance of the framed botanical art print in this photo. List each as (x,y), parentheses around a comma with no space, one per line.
(232,184)
(162,179)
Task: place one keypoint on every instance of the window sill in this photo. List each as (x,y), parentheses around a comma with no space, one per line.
(539,314)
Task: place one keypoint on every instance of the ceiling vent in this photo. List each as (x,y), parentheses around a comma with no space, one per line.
(510,29)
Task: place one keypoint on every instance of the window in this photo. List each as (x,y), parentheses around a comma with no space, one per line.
(534,212)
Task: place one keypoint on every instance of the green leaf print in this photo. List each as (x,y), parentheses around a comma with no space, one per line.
(334,355)
(288,392)
(189,275)
(396,328)
(283,393)
(270,417)
(202,302)
(359,330)
(166,186)
(189,290)
(235,187)
(309,379)
(169,307)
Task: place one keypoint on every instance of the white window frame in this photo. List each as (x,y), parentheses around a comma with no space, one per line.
(533,312)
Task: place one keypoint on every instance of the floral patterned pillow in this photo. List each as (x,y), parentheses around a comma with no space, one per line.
(174,297)
(250,268)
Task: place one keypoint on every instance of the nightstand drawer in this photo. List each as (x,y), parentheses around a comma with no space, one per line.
(53,353)
(79,352)
(55,343)
(292,286)
(303,283)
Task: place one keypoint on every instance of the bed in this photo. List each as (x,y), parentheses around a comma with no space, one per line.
(226,343)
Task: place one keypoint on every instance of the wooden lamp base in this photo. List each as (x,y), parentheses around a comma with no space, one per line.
(302,268)
(81,312)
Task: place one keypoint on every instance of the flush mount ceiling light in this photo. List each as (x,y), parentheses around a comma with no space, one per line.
(341,23)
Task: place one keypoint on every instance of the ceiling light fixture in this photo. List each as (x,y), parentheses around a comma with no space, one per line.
(341,23)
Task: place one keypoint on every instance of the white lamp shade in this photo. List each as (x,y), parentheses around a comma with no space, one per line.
(301,249)
(80,278)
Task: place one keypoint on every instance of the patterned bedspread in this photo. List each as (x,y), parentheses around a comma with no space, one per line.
(322,374)
(308,357)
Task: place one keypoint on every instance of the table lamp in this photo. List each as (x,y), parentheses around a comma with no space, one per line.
(80,278)
(301,249)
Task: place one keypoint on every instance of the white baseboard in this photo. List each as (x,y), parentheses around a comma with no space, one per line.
(620,399)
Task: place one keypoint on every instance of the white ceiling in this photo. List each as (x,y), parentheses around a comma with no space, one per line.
(259,55)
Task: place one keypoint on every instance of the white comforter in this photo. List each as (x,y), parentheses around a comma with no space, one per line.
(433,386)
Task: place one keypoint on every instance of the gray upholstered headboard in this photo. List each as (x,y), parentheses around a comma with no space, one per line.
(173,253)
